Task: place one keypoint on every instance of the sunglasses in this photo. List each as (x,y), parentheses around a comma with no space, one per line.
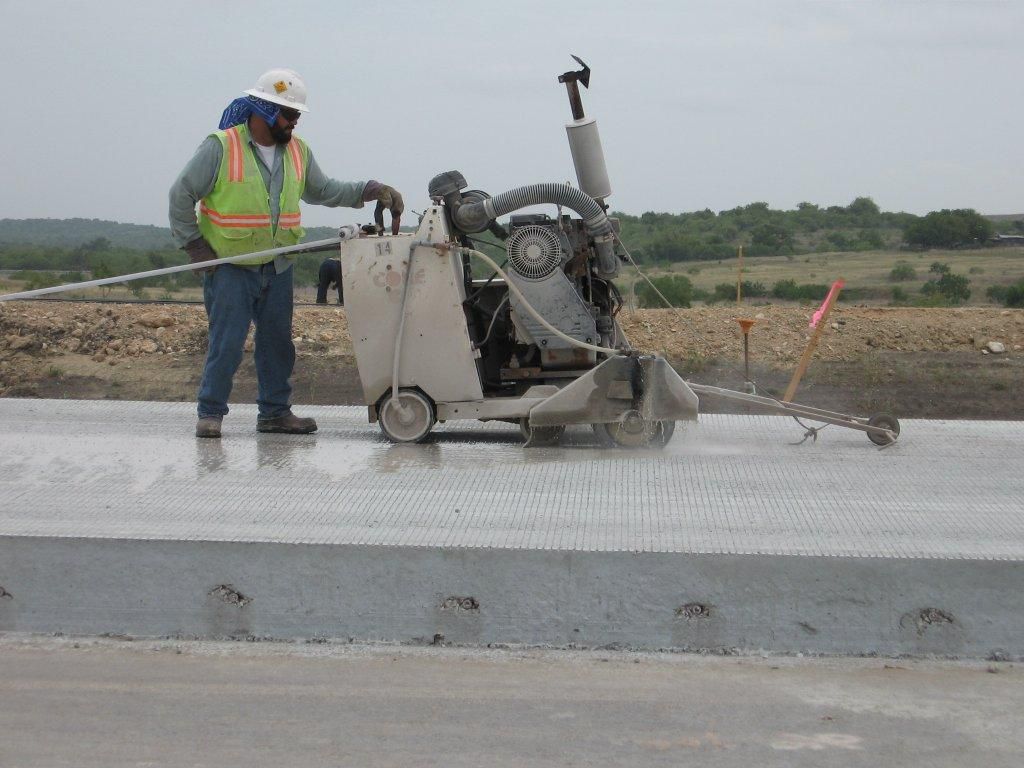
(291,115)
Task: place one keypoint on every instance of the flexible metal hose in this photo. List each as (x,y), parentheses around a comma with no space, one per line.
(474,217)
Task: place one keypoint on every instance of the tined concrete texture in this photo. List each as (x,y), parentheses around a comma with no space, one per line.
(114,518)
(108,704)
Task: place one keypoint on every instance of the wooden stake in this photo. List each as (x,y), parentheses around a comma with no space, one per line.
(739,276)
(812,344)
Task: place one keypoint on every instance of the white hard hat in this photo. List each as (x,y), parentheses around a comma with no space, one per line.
(283,87)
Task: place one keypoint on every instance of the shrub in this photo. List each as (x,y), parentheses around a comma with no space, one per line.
(902,271)
(42,280)
(727,291)
(1015,295)
(952,288)
(997,293)
(676,288)
(788,290)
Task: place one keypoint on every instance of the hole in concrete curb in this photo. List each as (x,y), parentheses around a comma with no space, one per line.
(5,595)
(809,629)
(228,594)
(454,603)
(927,617)
(694,611)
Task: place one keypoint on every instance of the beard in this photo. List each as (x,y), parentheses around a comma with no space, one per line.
(281,135)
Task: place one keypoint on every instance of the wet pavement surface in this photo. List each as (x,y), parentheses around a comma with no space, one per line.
(728,484)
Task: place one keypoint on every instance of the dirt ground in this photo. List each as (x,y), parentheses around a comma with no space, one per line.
(931,363)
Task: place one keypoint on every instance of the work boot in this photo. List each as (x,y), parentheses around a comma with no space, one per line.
(208,426)
(287,423)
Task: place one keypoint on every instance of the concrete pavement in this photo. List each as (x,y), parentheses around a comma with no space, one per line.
(115,519)
(109,704)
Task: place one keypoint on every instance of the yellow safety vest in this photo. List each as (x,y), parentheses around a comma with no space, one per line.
(235,217)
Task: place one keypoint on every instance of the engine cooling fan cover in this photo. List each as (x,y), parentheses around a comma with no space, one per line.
(534,252)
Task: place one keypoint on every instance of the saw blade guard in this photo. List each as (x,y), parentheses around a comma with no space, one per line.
(622,387)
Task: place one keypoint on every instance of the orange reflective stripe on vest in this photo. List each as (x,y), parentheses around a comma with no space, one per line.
(296,153)
(236,161)
(236,219)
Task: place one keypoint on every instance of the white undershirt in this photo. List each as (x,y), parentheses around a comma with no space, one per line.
(267,153)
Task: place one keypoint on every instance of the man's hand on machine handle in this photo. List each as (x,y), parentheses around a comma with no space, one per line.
(388,198)
(198,251)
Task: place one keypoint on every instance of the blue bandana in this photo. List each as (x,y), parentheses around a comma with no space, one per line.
(238,111)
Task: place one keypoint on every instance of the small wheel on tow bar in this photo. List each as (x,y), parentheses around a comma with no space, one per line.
(407,419)
(884,421)
(539,436)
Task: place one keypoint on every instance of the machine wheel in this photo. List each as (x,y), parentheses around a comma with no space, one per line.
(408,419)
(539,436)
(632,432)
(885,421)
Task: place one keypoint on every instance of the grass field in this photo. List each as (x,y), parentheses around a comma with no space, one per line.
(867,270)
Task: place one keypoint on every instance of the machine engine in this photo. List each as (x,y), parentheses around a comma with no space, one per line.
(557,267)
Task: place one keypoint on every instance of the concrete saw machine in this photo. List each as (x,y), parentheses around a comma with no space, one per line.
(442,331)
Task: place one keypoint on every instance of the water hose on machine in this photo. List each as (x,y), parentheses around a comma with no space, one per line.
(534,313)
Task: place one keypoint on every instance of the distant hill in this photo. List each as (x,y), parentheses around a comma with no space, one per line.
(71,233)
(653,237)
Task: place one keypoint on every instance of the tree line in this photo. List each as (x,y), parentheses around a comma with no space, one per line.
(109,248)
(809,228)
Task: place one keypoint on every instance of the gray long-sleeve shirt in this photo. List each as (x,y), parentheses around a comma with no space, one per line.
(197,179)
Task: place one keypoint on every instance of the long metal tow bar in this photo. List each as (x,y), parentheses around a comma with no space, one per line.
(315,246)
(882,428)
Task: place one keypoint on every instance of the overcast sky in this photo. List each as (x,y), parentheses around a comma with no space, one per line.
(700,105)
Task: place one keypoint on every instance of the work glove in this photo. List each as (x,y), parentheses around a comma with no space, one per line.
(198,251)
(391,199)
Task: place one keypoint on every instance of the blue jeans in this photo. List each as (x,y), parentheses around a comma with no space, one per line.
(234,298)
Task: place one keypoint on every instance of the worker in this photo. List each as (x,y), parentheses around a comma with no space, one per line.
(248,178)
(330,274)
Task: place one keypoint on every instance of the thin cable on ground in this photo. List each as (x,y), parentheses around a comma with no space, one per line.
(640,272)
